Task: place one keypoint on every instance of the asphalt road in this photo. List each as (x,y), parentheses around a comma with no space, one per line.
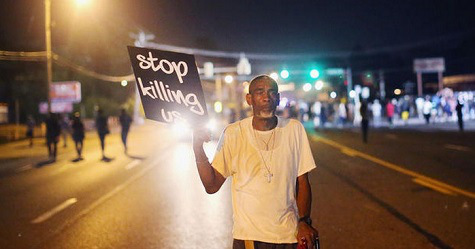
(404,189)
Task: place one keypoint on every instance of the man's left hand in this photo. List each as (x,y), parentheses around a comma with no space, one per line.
(306,233)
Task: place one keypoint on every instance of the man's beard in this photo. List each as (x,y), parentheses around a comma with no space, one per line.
(265,114)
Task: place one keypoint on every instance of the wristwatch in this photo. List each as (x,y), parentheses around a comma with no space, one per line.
(306,219)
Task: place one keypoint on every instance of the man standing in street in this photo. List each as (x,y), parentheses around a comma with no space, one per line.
(125,121)
(269,158)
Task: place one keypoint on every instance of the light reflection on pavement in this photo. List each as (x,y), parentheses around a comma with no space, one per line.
(192,208)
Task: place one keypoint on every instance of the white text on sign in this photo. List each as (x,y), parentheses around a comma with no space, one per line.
(158,90)
(180,68)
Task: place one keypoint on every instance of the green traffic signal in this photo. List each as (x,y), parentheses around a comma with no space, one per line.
(314,73)
(284,74)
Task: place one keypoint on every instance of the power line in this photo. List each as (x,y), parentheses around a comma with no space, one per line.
(41,56)
(65,62)
(331,54)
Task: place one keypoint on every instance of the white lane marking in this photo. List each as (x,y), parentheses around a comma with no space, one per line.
(457,147)
(25,168)
(114,191)
(132,164)
(54,211)
(433,186)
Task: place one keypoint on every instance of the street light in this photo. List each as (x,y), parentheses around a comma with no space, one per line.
(307,87)
(314,73)
(319,85)
(123,83)
(82,2)
(228,79)
(284,74)
(218,107)
(352,93)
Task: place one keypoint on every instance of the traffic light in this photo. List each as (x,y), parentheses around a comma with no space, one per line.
(314,73)
(284,74)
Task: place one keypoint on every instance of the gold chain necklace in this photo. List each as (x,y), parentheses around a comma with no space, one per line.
(268,174)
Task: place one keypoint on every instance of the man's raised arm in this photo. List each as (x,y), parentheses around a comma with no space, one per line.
(212,180)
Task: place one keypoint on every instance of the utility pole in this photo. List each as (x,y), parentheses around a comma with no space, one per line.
(49,65)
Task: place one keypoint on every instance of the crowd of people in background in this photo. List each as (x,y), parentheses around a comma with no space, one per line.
(62,126)
(443,107)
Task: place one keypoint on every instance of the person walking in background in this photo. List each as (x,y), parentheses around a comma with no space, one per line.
(102,130)
(390,112)
(78,135)
(459,108)
(364,120)
(323,115)
(30,126)
(64,122)
(125,121)
(342,114)
(53,131)
(376,109)
(426,109)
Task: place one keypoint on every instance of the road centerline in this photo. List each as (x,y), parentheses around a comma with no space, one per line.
(54,211)
(25,168)
(392,166)
(457,147)
(132,164)
(433,186)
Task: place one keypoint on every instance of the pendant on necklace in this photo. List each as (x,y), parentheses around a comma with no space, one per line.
(269,176)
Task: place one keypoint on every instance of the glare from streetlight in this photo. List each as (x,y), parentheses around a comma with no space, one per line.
(218,106)
(123,83)
(333,95)
(284,74)
(274,75)
(307,87)
(228,79)
(397,91)
(319,85)
(82,2)
(314,73)
(352,94)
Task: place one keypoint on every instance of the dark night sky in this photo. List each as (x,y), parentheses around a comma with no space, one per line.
(256,26)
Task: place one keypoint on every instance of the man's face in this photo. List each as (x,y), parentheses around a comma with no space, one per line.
(264,98)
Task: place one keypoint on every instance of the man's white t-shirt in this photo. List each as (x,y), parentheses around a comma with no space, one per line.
(264,211)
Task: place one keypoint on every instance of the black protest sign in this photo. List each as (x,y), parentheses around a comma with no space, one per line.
(169,86)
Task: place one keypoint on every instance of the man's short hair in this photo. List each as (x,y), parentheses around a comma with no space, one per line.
(259,78)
